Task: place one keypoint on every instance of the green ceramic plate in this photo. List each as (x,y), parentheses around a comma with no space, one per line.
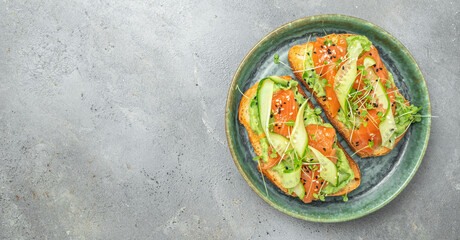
(383,178)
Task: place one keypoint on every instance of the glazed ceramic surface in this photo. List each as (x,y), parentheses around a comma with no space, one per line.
(383,178)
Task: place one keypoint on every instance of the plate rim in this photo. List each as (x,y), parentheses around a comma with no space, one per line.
(229,106)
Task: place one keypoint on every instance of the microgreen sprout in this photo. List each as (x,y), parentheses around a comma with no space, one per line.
(276,58)
(290,123)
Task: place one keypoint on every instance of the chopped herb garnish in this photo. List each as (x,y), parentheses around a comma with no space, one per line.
(361,67)
(273,155)
(364,113)
(256,158)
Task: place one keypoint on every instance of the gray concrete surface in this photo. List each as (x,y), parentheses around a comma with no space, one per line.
(112,120)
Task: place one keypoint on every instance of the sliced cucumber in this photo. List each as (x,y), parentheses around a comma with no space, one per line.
(380,96)
(290,178)
(299,137)
(278,80)
(308,66)
(299,189)
(368,62)
(264,99)
(387,129)
(328,169)
(279,142)
(346,76)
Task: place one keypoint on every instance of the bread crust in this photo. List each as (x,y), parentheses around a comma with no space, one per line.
(273,176)
(296,57)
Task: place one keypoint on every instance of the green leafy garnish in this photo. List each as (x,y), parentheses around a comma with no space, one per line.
(290,123)
(345,198)
(365,124)
(317,111)
(289,151)
(361,67)
(324,81)
(277,58)
(327,43)
(364,113)
(256,158)
(364,73)
(380,114)
(273,155)
(388,85)
(371,143)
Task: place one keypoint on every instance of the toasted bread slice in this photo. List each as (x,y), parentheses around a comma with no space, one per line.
(296,59)
(275,177)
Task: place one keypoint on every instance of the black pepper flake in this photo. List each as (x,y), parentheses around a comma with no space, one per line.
(370,54)
(316,186)
(305,119)
(279,110)
(381,68)
(279,127)
(367,119)
(308,53)
(321,46)
(375,65)
(271,115)
(377,70)
(316,177)
(296,92)
(314,52)
(284,102)
(343,67)
(333,44)
(324,149)
(357,143)
(334,56)
(331,57)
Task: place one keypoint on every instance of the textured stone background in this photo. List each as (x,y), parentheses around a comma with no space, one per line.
(112,120)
